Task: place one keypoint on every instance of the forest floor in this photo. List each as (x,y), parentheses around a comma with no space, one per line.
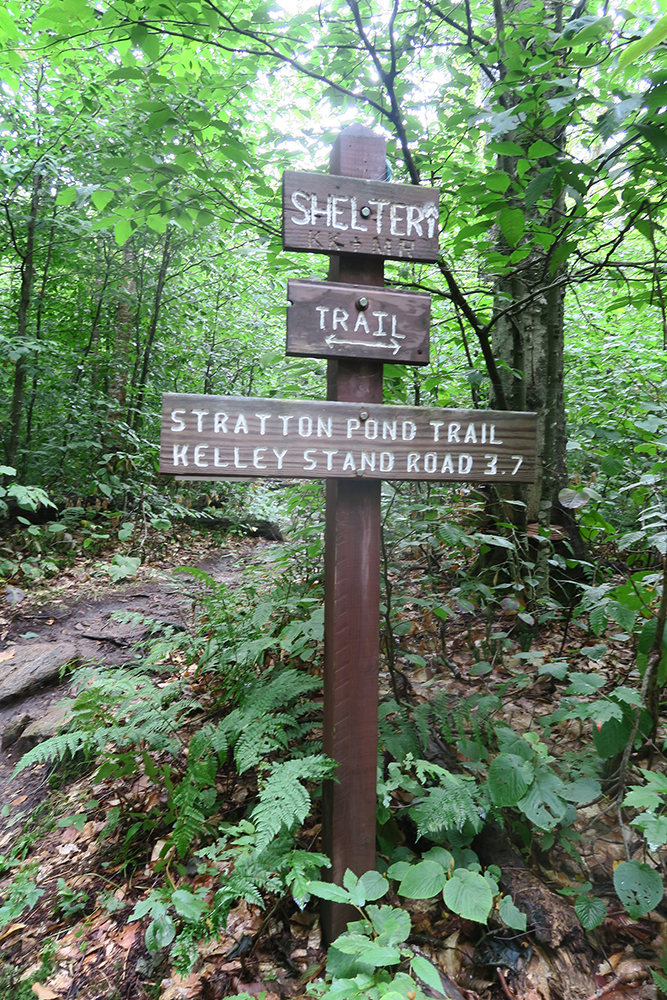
(76,941)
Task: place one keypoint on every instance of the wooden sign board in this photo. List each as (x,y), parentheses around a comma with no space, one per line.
(325,213)
(217,437)
(329,320)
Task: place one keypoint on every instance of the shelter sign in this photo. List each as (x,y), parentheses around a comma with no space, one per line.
(325,213)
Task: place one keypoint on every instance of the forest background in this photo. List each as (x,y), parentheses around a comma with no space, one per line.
(140,252)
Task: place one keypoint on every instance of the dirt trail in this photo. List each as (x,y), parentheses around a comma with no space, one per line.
(80,609)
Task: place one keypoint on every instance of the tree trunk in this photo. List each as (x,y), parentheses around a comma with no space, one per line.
(38,322)
(152,330)
(20,369)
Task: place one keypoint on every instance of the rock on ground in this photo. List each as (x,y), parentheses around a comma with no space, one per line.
(24,668)
(14,728)
(55,720)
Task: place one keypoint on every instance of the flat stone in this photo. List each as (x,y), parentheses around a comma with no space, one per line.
(55,720)
(32,666)
(14,728)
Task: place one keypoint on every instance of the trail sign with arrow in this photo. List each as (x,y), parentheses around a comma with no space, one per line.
(326,319)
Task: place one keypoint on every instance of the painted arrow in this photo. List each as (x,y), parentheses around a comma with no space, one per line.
(393,345)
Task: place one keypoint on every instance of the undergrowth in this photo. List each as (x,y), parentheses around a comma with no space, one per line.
(223,726)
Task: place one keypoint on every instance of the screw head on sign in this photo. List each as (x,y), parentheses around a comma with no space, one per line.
(365,212)
(363,414)
(360,472)
(362,302)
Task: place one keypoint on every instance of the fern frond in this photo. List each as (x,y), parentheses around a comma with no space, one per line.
(187,829)
(284,801)
(450,806)
(398,733)
(55,748)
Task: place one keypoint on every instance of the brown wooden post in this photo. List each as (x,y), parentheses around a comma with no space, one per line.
(352,587)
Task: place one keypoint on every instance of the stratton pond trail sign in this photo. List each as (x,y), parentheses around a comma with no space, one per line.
(289,438)
(353,441)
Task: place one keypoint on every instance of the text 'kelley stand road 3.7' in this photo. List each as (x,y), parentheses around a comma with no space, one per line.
(242,436)
(352,441)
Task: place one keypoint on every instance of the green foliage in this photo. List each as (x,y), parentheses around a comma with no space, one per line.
(360,959)
(650,800)
(639,887)
(26,497)
(70,902)
(23,892)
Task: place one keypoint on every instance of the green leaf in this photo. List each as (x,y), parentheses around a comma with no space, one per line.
(150,46)
(622,614)
(597,619)
(627,695)
(423,881)
(498,540)
(67,196)
(643,797)
(327,890)
(371,885)
(573,499)
(595,652)
(505,148)
(591,911)
(539,186)
(78,821)
(101,199)
(122,231)
(367,951)
(498,181)
(512,223)
(641,46)
(611,466)
(188,905)
(399,870)
(440,855)
(509,778)
(581,790)
(557,669)
(583,684)
(160,933)
(390,923)
(654,829)
(540,149)
(625,541)
(543,804)
(469,895)
(513,743)
(427,972)
(511,914)
(639,887)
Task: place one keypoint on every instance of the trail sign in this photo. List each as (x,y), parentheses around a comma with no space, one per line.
(352,440)
(214,436)
(325,213)
(326,319)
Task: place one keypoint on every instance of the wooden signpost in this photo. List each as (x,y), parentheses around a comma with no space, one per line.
(352,440)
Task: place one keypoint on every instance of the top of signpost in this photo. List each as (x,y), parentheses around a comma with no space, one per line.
(331,214)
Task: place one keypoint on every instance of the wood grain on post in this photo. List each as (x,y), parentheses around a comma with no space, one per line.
(352,588)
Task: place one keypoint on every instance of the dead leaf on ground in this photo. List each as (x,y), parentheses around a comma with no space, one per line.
(127,936)
(44,992)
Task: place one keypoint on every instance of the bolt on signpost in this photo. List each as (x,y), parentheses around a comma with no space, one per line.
(352,440)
